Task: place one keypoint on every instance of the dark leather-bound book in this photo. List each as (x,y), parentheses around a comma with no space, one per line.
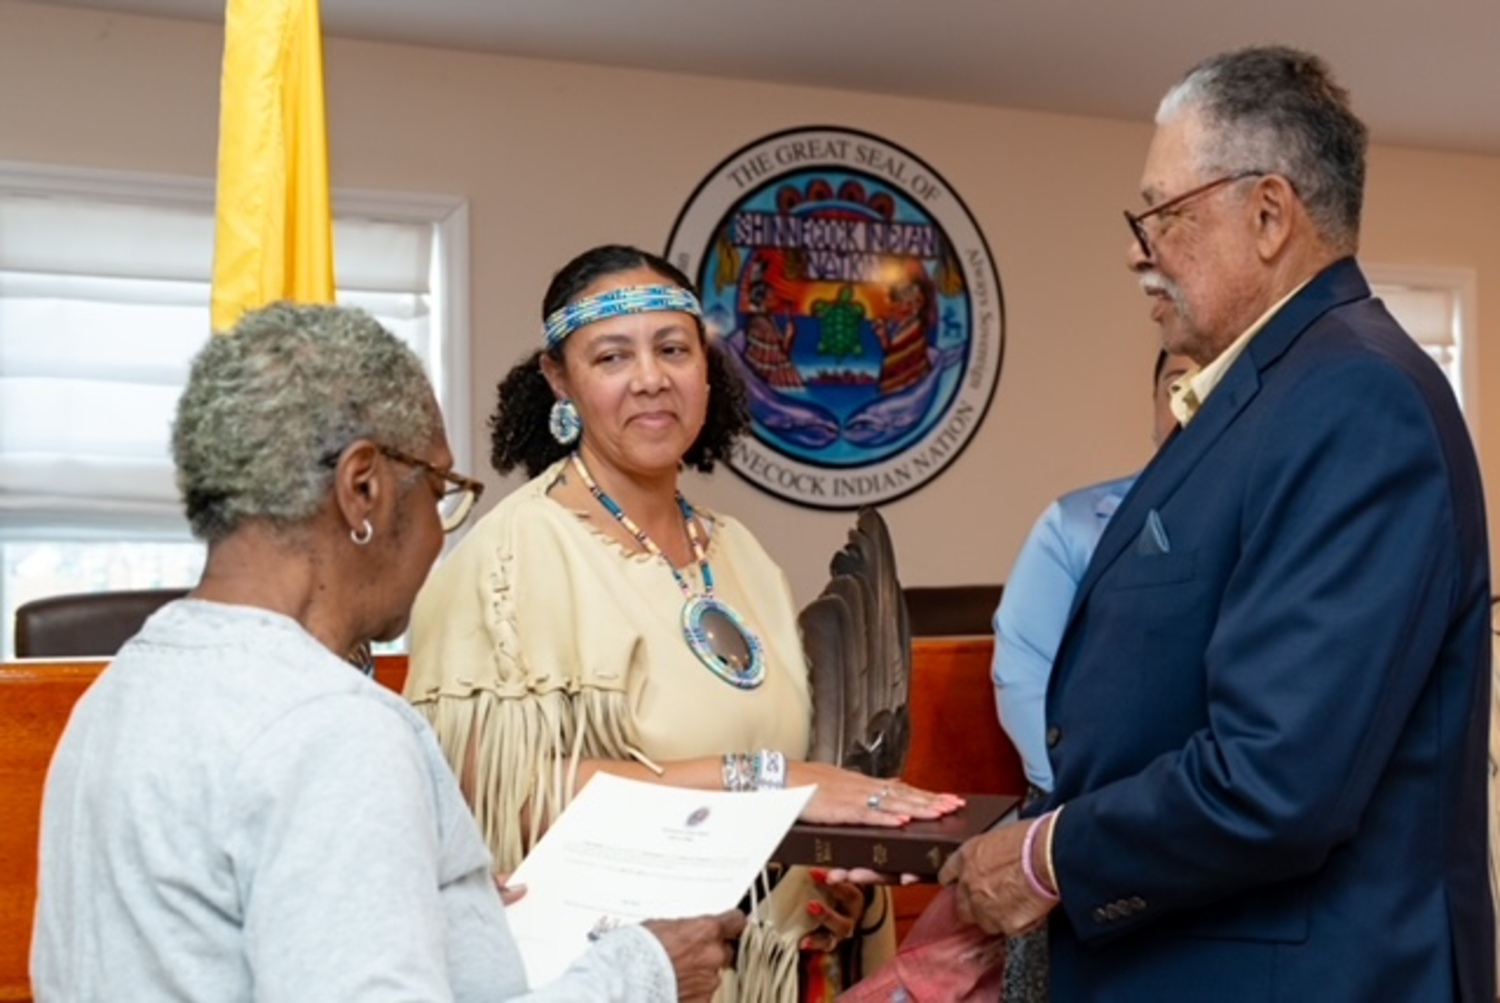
(919,847)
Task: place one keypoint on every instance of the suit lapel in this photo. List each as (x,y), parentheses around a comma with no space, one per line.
(1340,283)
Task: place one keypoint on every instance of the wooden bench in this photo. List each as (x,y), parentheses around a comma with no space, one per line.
(956,745)
(36,698)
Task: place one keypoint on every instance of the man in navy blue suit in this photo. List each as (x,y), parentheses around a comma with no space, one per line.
(1267,720)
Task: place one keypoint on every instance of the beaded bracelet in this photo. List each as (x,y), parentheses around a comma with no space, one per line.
(770,770)
(738,772)
(754,771)
(1035,882)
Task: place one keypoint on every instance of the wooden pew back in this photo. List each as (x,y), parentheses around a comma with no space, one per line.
(956,741)
(36,698)
(956,745)
(35,701)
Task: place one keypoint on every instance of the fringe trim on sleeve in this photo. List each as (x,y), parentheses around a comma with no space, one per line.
(514,733)
(523,753)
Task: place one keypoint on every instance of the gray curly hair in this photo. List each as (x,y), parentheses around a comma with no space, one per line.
(270,405)
(1272,108)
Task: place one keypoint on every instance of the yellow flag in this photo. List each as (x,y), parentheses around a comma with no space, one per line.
(273,237)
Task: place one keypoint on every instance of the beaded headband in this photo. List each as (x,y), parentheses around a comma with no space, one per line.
(616,303)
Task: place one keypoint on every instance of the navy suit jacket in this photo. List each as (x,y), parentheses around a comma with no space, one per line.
(1268,716)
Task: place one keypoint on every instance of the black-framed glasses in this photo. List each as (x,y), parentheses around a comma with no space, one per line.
(459,494)
(1137,220)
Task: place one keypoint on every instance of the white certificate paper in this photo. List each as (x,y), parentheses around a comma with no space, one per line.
(626,851)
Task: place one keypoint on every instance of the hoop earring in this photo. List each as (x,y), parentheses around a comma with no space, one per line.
(363,535)
(563,422)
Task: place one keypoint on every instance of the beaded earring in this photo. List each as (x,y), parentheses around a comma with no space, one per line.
(563,422)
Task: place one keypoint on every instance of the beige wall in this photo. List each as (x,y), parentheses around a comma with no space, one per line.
(555,157)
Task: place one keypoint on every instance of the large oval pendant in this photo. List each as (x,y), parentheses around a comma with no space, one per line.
(723,642)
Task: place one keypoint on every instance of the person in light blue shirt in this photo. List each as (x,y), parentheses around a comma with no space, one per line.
(1034,606)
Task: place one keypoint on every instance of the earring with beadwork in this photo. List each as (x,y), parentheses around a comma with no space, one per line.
(563,422)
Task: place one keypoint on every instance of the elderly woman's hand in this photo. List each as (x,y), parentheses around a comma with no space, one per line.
(847,798)
(700,949)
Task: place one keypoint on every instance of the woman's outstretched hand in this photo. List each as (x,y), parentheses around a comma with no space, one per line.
(848,798)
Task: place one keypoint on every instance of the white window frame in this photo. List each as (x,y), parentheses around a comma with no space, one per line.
(449,214)
(449,303)
(1460,285)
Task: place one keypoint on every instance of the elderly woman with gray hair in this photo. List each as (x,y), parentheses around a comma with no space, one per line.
(234,811)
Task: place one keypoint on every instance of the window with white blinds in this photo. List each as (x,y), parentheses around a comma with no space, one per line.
(1436,306)
(104,300)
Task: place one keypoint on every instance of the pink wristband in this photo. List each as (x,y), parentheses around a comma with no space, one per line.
(1031,876)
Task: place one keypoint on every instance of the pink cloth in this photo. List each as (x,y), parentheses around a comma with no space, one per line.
(942,960)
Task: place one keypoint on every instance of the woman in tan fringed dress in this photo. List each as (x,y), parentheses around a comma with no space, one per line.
(596,621)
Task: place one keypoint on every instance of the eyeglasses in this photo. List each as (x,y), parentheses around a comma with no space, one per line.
(1137,220)
(459,494)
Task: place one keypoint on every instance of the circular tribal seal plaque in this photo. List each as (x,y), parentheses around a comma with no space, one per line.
(859,301)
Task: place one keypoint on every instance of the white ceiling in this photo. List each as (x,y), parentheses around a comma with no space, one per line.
(1423,72)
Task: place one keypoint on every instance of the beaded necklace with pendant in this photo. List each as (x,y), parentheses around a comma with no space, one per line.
(717,634)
